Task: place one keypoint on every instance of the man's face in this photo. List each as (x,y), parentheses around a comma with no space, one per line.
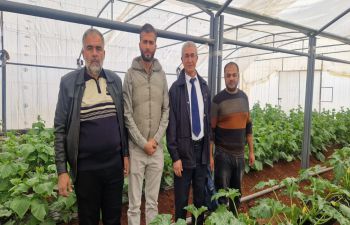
(231,77)
(147,46)
(93,53)
(189,60)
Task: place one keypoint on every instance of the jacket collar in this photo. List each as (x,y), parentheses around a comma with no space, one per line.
(137,64)
(182,80)
(81,76)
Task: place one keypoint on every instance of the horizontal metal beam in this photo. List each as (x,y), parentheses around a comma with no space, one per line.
(143,11)
(327,58)
(61,15)
(254,16)
(263,47)
(64,68)
(333,20)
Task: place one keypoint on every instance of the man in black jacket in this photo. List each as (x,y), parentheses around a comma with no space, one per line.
(188,133)
(90,136)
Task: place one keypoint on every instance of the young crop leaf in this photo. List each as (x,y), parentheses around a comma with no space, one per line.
(345,210)
(5,213)
(44,188)
(162,219)
(7,170)
(181,222)
(38,209)
(221,216)
(20,206)
(196,212)
(26,150)
(263,184)
(262,210)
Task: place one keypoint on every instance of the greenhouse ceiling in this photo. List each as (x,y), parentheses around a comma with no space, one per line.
(271,22)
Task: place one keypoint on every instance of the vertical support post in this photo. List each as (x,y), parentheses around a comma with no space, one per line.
(211,52)
(112,2)
(214,71)
(320,94)
(220,47)
(305,154)
(186,25)
(3,72)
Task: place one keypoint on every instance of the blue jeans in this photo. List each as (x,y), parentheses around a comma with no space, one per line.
(229,171)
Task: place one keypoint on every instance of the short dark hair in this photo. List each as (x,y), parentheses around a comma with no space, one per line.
(148,28)
(231,64)
(93,31)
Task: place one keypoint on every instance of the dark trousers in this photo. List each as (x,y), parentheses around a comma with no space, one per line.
(228,174)
(100,190)
(182,185)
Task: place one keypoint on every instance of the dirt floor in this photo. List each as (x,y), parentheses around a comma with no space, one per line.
(279,171)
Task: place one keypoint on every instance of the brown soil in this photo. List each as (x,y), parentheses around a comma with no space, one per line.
(279,171)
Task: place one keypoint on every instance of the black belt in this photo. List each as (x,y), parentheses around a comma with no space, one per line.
(198,142)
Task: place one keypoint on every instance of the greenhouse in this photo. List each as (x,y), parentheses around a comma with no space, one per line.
(293,58)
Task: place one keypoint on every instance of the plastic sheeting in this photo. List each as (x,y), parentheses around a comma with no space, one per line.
(266,77)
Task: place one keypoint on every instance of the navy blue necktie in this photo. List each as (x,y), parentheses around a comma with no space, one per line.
(196,124)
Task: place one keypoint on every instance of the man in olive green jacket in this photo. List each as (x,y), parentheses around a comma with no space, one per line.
(146,111)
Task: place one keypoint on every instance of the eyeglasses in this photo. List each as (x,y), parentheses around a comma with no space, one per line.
(190,56)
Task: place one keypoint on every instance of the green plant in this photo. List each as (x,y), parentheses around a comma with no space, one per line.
(28,193)
(196,212)
(168,173)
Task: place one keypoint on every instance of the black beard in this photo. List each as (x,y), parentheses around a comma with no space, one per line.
(145,58)
(232,90)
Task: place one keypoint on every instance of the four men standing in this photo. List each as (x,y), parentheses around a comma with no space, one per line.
(90,134)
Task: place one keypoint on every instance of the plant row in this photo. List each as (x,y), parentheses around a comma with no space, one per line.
(320,202)
(28,179)
(278,135)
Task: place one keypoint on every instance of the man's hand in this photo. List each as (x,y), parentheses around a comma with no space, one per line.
(251,158)
(150,147)
(126,166)
(64,185)
(177,166)
(212,164)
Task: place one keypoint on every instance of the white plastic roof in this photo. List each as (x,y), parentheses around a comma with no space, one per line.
(40,41)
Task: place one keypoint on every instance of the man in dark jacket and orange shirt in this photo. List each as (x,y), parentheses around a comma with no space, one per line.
(188,133)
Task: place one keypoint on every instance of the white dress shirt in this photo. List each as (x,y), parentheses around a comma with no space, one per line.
(200,104)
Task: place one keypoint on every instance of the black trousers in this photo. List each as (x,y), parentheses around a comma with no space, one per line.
(228,174)
(182,185)
(100,191)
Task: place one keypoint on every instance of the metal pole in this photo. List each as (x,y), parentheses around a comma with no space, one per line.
(112,2)
(305,154)
(92,21)
(211,52)
(221,35)
(320,93)
(214,71)
(333,21)
(258,17)
(103,8)
(3,68)
(263,47)
(217,52)
(145,10)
